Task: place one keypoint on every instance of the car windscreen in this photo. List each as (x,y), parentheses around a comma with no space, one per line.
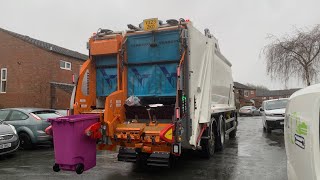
(278,104)
(47,114)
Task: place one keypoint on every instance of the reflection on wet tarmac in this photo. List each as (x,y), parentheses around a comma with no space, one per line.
(252,155)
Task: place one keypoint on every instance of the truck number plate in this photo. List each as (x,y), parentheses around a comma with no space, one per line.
(3,146)
(150,24)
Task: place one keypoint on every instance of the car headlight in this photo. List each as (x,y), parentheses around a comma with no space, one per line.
(13,129)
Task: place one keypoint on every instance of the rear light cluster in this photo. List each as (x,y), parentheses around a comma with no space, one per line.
(35,116)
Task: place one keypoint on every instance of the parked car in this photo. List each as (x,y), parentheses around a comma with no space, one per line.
(30,124)
(247,110)
(63,112)
(273,113)
(257,112)
(9,140)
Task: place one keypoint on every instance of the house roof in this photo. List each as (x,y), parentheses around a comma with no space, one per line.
(285,92)
(241,86)
(47,46)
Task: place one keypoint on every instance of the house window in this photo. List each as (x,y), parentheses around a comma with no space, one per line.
(65,65)
(252,92)
(3,80)
(246,93)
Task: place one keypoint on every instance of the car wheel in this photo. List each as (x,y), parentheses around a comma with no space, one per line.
(25,141)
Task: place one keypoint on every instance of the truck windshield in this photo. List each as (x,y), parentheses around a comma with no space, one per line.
(277,104)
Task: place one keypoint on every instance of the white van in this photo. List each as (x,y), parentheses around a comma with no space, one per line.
(273,112)
(301,134)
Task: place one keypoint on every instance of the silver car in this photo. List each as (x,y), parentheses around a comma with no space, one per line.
(9,140)
(30,124)
(247,110)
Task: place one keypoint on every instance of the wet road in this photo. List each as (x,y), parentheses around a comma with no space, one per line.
(252,155)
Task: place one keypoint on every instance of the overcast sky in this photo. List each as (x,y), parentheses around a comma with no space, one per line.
(241,26)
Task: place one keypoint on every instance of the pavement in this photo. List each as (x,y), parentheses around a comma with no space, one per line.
(252,155)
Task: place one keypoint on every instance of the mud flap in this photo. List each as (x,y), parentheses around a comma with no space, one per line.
(159,159)
(127,154)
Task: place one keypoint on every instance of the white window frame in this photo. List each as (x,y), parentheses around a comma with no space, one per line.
(65,65)
(3,79)
(252,92)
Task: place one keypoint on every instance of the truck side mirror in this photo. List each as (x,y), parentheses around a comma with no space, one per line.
(261,110)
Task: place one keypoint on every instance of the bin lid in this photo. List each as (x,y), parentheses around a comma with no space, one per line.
(75,118)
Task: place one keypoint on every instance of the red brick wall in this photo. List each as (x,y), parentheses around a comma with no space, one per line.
(30,71)
(62,100)
(245,100)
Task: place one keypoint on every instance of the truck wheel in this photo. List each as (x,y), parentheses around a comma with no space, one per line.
(25,141)
(208,147)
(233,133)
(221,135)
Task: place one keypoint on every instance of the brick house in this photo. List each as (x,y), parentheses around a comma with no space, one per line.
(244,95)
(34,73)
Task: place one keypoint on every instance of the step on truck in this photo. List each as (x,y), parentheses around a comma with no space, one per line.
(158,88)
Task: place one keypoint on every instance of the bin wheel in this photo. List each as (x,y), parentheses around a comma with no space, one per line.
(56,168)
(79,168)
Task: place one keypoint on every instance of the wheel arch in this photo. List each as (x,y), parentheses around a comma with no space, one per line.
(27,131)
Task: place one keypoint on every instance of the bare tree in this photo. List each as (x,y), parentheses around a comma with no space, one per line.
(294,55)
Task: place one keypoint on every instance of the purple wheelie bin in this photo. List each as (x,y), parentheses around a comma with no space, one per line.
(73,150)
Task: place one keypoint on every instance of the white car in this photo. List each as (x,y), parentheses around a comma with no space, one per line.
(273,113)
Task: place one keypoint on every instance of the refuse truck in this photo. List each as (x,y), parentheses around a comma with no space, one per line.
(158,88)
(301,134)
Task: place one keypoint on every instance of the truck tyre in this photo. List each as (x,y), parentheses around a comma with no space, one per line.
(208,147)
(221,134)
(233,133)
